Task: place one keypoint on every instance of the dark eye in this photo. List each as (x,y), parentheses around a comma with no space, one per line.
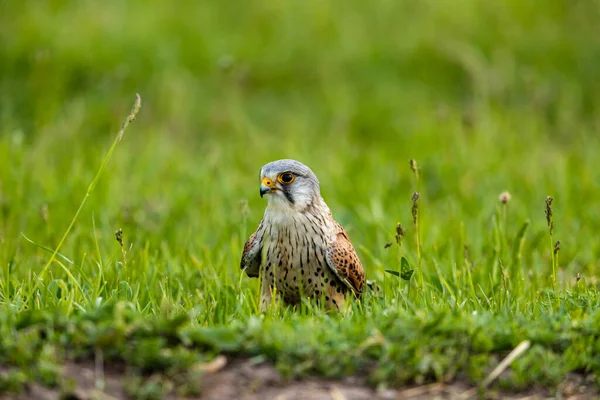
(286,178)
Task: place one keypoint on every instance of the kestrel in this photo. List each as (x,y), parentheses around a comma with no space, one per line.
(298,248)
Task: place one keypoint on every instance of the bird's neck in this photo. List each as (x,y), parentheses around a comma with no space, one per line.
(280,212)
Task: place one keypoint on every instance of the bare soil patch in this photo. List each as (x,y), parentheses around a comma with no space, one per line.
(239,379)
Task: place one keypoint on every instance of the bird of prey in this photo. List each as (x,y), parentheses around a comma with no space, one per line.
(299,249)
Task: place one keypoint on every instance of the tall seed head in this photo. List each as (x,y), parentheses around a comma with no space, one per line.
(400,231)
(399,234)
(119,237)
(549,218)
(413,165)
(504,197)
(44,212)
(415,207)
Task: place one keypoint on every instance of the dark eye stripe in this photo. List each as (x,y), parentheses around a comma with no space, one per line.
(287,194)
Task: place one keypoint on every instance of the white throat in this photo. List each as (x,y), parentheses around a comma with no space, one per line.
(281,213)
(279,210)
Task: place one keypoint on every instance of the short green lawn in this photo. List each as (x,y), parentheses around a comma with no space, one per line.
(486,97)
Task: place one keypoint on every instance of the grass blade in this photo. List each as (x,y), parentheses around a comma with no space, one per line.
(133,113)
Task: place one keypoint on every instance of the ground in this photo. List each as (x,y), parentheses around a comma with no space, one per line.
(244,380)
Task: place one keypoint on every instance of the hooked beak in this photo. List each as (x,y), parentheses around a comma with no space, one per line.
(267,186)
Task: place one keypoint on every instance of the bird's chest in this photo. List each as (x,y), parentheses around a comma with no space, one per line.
(295,260)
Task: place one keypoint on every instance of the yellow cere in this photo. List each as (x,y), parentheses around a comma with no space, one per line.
(269,183)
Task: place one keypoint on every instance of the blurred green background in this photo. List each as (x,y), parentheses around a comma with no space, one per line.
(486,96)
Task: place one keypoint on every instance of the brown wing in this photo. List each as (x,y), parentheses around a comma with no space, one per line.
(342,259)
(251,257)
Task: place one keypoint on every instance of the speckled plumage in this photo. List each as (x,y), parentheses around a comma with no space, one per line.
(299,248)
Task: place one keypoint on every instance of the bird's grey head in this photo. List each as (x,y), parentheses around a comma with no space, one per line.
(289,183)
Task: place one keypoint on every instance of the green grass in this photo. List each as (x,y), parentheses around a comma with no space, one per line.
(486,97)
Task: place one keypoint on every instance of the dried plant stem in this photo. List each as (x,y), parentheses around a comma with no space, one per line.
(508,360)
(134,111)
